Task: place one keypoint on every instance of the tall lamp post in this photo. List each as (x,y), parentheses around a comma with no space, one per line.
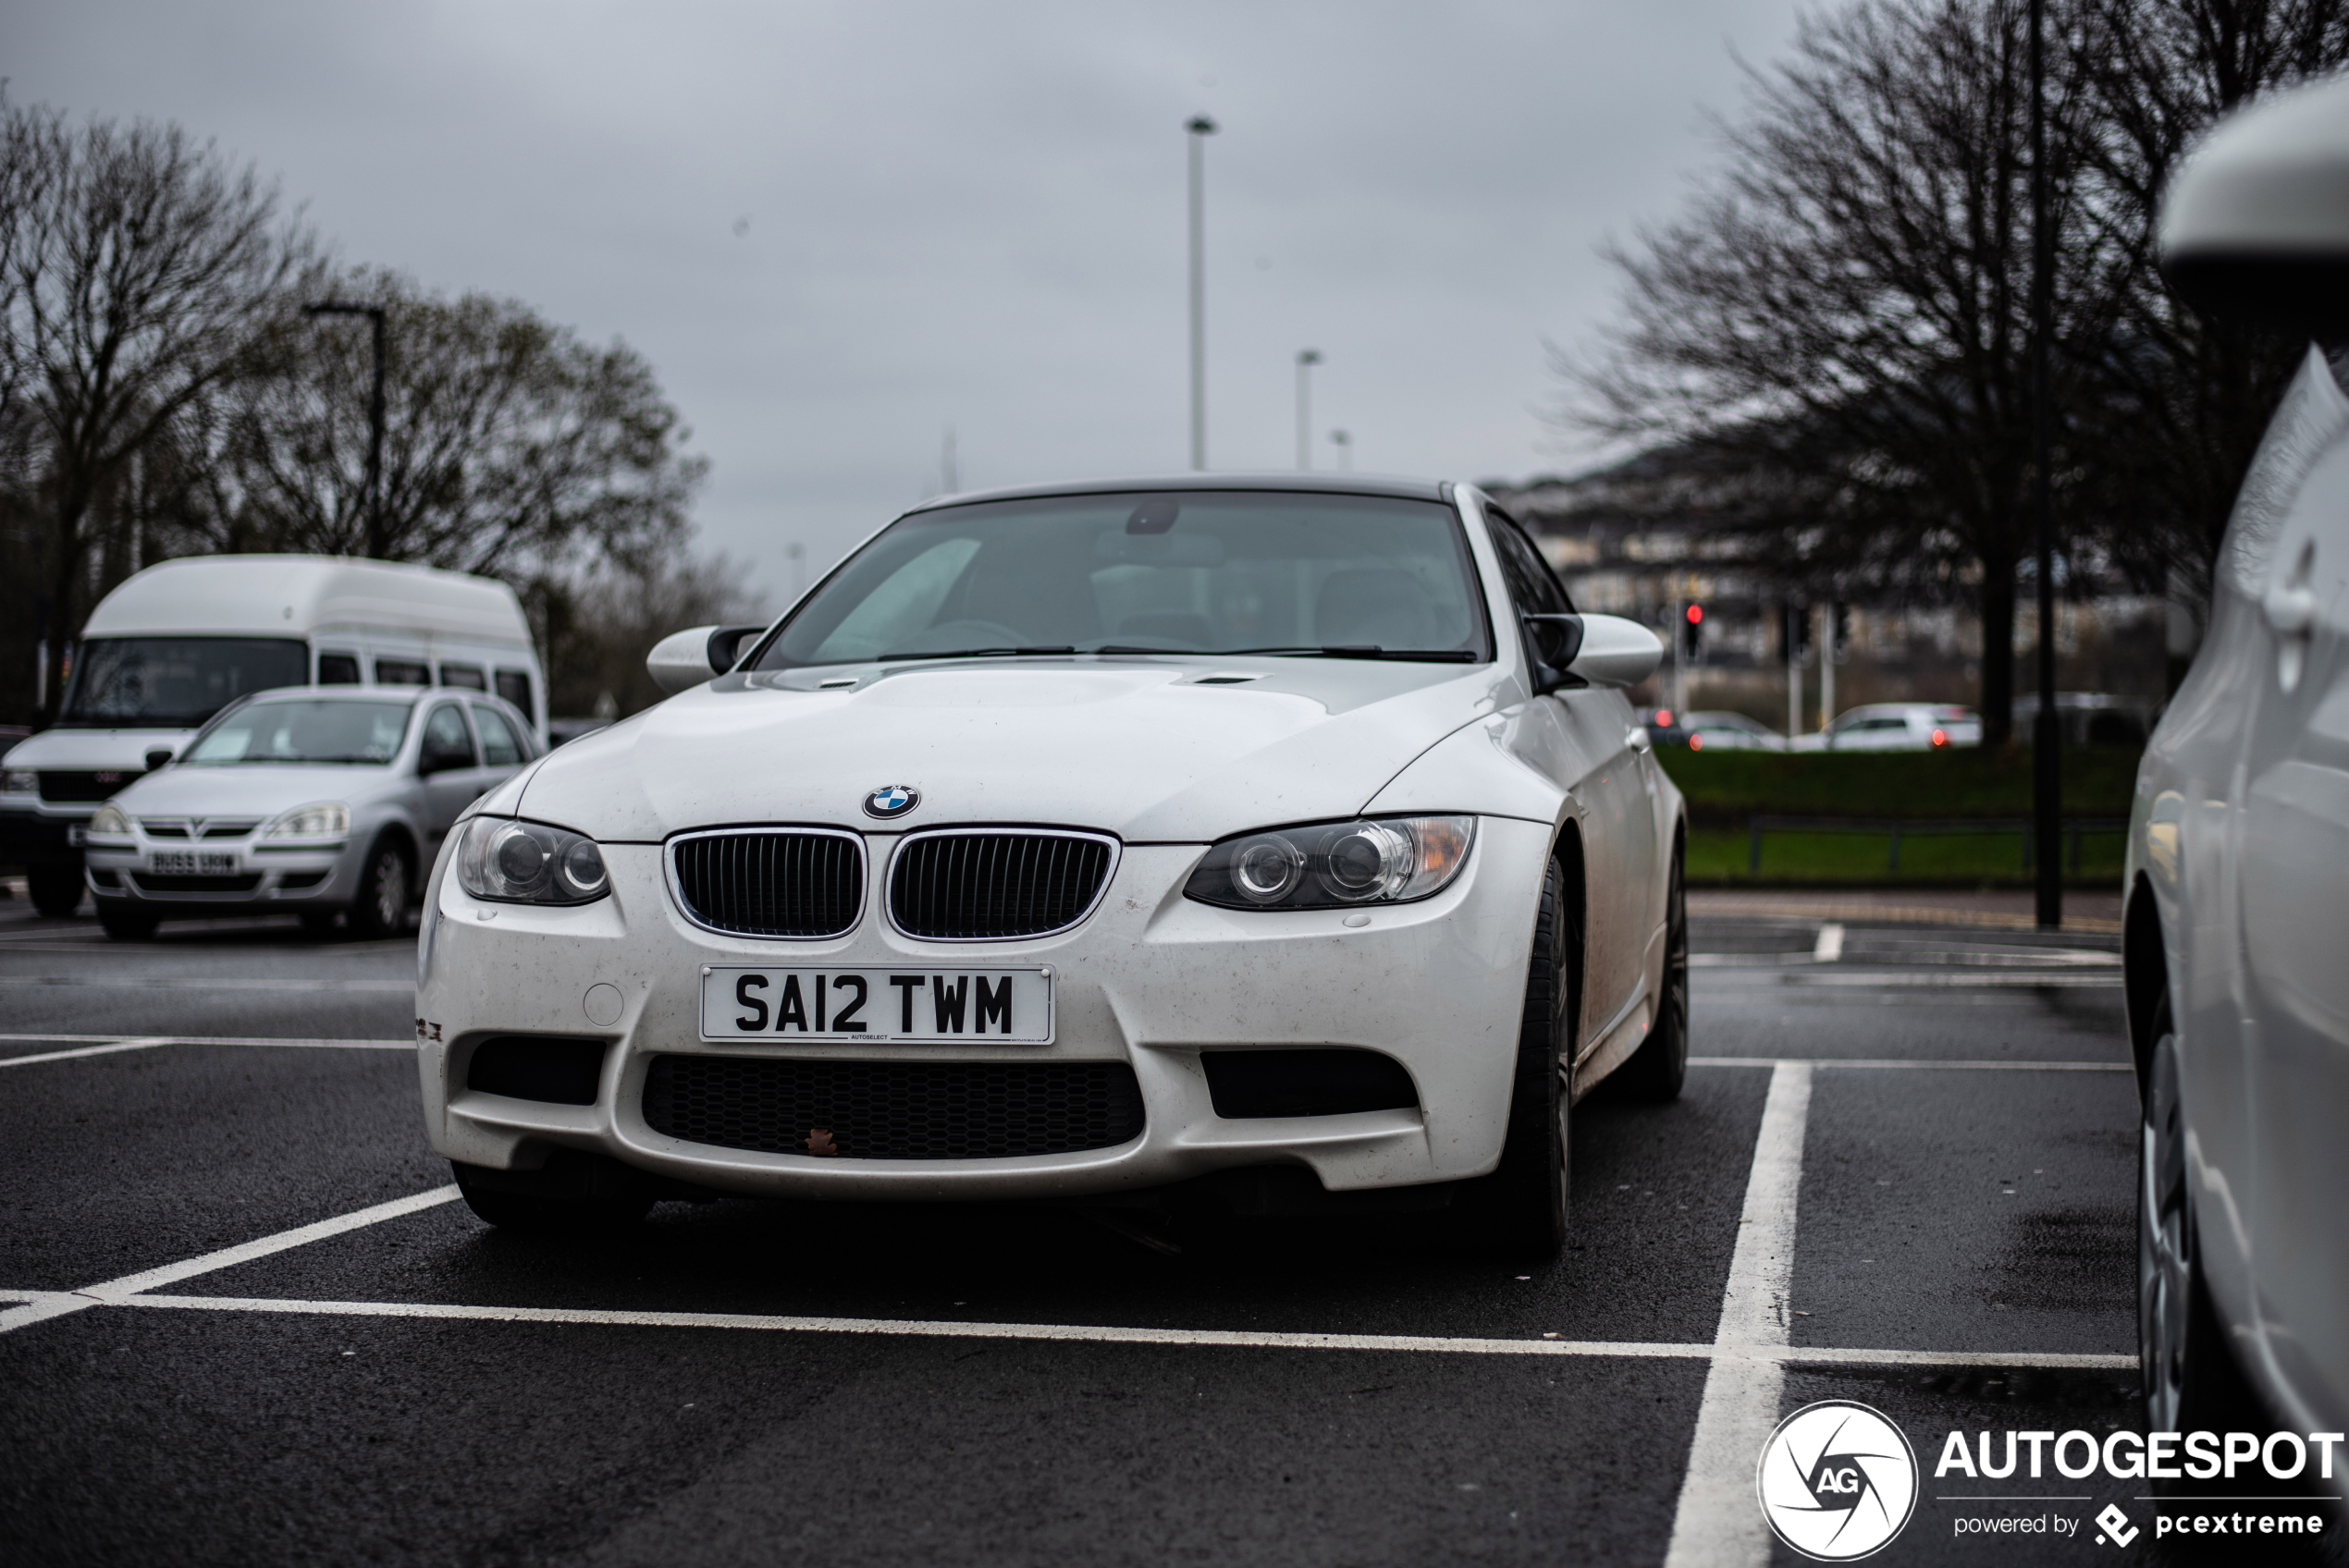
(1200,129)
(2047,736)
(1306,359)
(375,314)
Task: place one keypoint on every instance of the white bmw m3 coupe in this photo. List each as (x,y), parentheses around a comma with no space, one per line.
(1268,844)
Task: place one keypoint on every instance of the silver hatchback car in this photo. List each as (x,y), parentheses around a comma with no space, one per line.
(320,801)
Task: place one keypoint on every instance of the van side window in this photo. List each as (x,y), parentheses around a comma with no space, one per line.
(337,669)
(402,672)
(514,686)
(498,747)
(469,676)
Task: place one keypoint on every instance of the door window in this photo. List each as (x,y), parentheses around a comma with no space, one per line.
(498,746)
(1533,587)
(469,676)
(446,741)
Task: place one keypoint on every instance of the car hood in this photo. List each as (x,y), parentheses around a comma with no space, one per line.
(254,788)
(1139,749)
(78,750)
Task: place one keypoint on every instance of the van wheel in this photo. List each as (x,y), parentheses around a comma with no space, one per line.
(125,924)
(381,908)
(1520,1209)
(1660,1066)
(55,886)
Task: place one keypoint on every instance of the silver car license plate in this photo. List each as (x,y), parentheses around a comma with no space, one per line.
(996,1006)
(192,863)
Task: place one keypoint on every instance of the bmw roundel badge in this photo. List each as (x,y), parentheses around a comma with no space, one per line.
(892,800)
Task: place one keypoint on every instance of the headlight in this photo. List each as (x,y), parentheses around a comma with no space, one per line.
(109,820)
(20,781)
(529,862)
(1329,865)
(327,819)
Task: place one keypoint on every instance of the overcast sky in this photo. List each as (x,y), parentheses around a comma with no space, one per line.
(838,231)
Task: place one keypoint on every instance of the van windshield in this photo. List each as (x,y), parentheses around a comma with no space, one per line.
(175,682)
(328,730)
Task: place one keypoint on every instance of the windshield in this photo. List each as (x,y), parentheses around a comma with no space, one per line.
(176,683)
(325,731)
(1194,571)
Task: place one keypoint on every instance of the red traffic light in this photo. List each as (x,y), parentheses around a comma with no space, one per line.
(1696,614)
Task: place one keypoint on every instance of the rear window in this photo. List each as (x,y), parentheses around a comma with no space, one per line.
(175,682)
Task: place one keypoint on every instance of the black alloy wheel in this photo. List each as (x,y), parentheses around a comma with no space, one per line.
(381,908)
(126,923)
(55,886)
(1659,1067)
(2188,1374)
(1522,1207)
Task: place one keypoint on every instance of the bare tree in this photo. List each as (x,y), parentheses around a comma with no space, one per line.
(142,271)
(1845,311)
(595,629)
(510,447)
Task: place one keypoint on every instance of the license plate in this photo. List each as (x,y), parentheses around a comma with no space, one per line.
(192,863)
(996,1006)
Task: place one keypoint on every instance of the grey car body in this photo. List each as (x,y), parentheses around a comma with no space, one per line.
(199,842)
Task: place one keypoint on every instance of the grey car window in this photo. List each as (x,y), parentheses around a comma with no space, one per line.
(328,731)
(498,747)
(445,732)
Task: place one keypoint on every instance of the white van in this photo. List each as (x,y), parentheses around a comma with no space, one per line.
(177,643)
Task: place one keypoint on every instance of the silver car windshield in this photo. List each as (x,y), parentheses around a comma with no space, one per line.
(327,730)
(1188,572)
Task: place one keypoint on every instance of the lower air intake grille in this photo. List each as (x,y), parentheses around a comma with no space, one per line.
(894,1110)
(178,882)
(777,884)
(976,885)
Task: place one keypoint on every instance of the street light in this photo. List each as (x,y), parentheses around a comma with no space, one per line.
(375,314)
(1345,445)
(1306,359)
(1200,129)
(2047,740)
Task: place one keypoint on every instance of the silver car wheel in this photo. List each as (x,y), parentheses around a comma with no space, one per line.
(2165,1238)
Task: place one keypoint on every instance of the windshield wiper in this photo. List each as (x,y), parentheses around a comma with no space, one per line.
(981,653)
(1365,650)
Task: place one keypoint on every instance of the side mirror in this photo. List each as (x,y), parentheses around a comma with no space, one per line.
(158,757)
(2254,226)
(1592,650)
(685,659)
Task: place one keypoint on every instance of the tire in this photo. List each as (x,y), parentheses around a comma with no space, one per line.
(1521,1208)
(381,908)
(2188,1377)
(1660,1066)
(504,1198)
(55,886)
(126,923)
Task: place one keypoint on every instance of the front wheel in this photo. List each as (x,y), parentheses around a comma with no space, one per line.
(1521,1208)
(1660,1066)
(55,886)
(382,906)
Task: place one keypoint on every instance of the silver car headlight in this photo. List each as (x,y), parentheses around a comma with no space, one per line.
(326,819)
(1334,864)
(109,821)
(511,861)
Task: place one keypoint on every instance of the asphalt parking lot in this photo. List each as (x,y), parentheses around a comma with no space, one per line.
(242,1320)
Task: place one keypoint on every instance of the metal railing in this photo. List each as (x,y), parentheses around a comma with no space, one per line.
(1897,829)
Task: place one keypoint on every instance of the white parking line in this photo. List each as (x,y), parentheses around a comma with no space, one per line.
(111,1292)
(128,1041)
(1717,1520)
(1879,1063)
(207,983)
(896,1327)
(1830,947)
(114,1044)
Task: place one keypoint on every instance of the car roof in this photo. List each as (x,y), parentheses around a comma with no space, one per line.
(295,595)
(356,693)
(1159,484)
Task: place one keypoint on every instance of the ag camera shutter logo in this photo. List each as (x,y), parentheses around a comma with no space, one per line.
(1836,1481)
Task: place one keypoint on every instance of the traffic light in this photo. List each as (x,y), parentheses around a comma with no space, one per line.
(1692,630)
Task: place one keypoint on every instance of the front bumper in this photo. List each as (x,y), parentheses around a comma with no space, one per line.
(308,877)
(1151,979)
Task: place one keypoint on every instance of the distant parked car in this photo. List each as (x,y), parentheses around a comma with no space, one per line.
(2090,719)
(1665,726)
(1896,727)
(1729,732)
(307,800)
